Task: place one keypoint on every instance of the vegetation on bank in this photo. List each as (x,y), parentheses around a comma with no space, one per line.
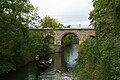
(38,44)
(17,45)
(99,57)
(14,37)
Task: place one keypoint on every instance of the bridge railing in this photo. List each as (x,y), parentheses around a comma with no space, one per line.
(65,28)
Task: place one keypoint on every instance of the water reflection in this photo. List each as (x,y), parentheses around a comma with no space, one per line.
(71,55)
(61,68)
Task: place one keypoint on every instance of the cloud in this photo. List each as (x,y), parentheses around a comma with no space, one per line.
(65,11)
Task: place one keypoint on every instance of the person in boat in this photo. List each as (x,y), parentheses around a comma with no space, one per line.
(37,58)
(46,62)
(50,61)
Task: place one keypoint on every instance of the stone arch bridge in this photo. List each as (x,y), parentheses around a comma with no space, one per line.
(59,33)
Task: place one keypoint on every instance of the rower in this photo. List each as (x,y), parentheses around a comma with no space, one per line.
(37,57)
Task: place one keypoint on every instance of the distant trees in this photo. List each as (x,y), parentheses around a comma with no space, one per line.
(99,57)
(48,22)
(68,26)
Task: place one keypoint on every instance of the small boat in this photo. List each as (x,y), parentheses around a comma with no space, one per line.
(44,64)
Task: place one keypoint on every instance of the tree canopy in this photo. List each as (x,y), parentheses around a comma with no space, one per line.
(99,57)
(106,16)
(14,33)
(48,22)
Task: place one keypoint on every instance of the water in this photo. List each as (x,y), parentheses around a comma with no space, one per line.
(61,69)
(72,53)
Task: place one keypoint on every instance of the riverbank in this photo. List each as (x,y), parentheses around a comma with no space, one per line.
(61,68)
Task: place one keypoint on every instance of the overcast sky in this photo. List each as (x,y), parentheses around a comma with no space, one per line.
(67,12)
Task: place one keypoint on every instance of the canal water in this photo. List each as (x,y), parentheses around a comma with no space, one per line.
(61,69)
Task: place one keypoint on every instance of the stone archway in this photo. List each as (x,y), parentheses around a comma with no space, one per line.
(60,34)
(49,38)
(69,33)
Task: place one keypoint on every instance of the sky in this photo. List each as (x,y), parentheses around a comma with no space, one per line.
(67,12)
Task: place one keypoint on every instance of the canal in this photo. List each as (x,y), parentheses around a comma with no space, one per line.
(61,69)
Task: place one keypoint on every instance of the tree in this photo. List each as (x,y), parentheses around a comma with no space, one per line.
(68,26)
(48,22)
(99,57)
(14,33)
(38,44)
(105,16)
(34,19)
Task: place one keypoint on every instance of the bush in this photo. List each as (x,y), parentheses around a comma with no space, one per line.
(98,59)
(88,66)
(13,48)
(38,44)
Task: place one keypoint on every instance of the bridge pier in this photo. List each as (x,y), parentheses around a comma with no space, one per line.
(57,42)
(80,42)
(55,48)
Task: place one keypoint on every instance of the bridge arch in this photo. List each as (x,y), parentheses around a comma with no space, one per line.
(68,33)
(50,39)
(60,34)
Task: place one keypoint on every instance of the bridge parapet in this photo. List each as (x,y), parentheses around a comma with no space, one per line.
(61,28)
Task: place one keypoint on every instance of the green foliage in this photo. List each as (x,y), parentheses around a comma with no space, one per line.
(67,41)
(38,44)
(99,58)
(13,34)
(70,39)
(6,67)
(33,19)
(110,50)
(50,39)
(106,17)
(17,45)
(88,66)
(48,22)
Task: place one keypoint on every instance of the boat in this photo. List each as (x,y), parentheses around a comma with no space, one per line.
(44,63)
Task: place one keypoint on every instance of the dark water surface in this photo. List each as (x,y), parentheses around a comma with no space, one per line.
(61,69)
